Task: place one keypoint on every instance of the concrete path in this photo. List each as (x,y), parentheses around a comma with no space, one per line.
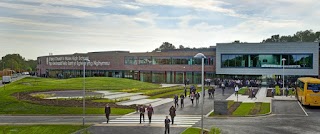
(261,97)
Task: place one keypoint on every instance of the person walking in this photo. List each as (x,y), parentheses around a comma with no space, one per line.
(236,89)
(192,97)
(182,100)
(272,92)
(142,111)
(287,91)
(209,92)
(172,113)
(150,112)
(107,111)
(176,100)
(212,92)
(167,125)
(223,87)
(197,97)
(253,94)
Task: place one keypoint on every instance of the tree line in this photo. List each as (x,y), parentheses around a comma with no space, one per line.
(300,36)
(17,63)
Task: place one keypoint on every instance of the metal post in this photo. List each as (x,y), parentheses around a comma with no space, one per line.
(84,92)
(202,85)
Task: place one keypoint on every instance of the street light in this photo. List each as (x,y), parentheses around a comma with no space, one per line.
(283,60)
(198,56)
(84,90)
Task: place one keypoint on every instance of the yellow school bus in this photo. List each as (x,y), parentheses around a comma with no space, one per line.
(307,91)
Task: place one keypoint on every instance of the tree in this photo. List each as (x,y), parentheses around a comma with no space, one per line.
(165,46)
(18,63)
(300,36)
(181,47)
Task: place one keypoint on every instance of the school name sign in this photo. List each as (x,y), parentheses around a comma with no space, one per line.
(74,61)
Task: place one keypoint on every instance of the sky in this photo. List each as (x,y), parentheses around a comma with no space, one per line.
(34,28)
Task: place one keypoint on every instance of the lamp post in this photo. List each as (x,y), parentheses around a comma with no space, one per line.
(84,90)
(283,60)
(198,56)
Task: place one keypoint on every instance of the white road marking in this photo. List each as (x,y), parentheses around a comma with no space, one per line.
(303,108)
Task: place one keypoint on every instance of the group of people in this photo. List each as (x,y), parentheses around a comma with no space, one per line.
(239,82)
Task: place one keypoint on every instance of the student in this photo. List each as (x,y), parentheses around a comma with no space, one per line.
(107,111)
(172,112)
(197,97)
(167,125)
(176,99)
(182,100)
(223,87)
(236,89)
(272,92)
(150,112)
(192,97)
(142,110)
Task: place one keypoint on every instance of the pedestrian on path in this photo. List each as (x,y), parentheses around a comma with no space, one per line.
(223,87)
(192,97)
(142,111)
(172,113)
(150,112)
(287,91)
(197,97)
(253,94)
(182,100)
(272,92)
(176,100)
(107,111)
(185,91)
(167,125)
(236,90)
(212,92)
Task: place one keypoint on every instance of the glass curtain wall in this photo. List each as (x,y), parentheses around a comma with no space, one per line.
(266,61)
(158,77)
(179,77)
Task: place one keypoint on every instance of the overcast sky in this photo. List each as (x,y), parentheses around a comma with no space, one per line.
(35,28)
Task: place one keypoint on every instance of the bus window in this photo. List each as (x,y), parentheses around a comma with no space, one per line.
(301,85)
(314,87)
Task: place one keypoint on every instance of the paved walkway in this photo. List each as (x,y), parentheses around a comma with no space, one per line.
(261,97)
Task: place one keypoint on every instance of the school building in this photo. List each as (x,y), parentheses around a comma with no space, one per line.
(259,60)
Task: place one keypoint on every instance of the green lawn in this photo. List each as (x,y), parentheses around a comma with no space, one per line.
(243,90)
(41,129)
(265,108)
(192,130)
(244,109)
(10,105)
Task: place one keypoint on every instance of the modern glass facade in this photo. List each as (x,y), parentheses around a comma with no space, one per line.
(266,60)
(184,60)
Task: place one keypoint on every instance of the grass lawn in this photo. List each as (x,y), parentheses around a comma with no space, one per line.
(243,90)
(265,108)
(230,103)
(192,130)
(41,129)
(10,105)
(244,109)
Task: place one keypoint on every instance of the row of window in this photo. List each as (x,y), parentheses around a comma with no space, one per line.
(266,60)
(130,60)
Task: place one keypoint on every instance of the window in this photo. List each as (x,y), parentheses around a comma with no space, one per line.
(130,60)
(182,60)
(161,60)
(266,60)
(145,60)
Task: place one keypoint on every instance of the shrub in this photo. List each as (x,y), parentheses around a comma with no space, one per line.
(215,130)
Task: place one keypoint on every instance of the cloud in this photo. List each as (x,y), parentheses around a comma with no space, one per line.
(31,23)
(45,9)
(81,3)
(210,5)
(128,6)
